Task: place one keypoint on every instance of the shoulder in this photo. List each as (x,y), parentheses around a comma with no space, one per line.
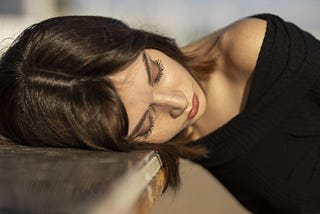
(241,42)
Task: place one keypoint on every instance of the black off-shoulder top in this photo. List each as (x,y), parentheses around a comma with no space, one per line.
(268,156)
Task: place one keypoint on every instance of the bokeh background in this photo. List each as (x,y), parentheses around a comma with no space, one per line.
(184,20)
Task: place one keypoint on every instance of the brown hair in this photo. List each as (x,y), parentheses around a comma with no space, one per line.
(55,91)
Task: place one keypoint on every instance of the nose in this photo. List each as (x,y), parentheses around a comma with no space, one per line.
(174,102)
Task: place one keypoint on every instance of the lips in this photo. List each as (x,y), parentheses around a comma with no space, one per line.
(195,107)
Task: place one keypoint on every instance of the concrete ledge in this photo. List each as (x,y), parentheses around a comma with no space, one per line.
(54,180)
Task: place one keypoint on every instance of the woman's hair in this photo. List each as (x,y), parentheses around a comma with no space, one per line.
(55,90)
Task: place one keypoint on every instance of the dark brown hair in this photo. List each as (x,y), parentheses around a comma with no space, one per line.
(54,86)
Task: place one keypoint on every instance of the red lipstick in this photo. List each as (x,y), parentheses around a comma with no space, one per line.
(195,107)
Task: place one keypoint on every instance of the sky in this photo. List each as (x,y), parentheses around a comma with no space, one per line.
(184,20)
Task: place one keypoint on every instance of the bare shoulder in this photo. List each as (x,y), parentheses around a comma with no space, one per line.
(241,43)
(203,44)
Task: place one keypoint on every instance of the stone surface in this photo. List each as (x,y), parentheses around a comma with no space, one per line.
(55,180)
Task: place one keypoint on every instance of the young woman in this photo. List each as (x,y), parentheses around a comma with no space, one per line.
(242,101)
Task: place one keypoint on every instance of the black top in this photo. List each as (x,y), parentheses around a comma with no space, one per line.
(268,156)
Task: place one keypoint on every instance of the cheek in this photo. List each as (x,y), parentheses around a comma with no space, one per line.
(179,72)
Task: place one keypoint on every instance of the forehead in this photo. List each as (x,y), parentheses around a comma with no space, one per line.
(132,86)
(123,77)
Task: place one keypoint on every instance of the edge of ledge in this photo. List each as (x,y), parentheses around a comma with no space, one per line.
(125,193)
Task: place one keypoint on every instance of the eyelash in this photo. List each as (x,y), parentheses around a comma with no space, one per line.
(149,132)
(161,69)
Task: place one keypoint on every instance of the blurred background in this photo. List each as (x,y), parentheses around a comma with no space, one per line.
(184,20)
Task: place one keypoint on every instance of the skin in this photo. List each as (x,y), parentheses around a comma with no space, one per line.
(167,100)
(222,94)
(227,87)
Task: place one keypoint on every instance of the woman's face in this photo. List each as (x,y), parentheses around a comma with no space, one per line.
(160,96)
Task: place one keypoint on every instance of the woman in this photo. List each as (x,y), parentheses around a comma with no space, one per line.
(245,99)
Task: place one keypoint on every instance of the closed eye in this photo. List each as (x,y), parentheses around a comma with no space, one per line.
(158,66)
(148,132)
(148,124)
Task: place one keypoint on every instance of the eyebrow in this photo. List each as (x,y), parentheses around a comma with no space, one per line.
(144,116)
(147,67)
